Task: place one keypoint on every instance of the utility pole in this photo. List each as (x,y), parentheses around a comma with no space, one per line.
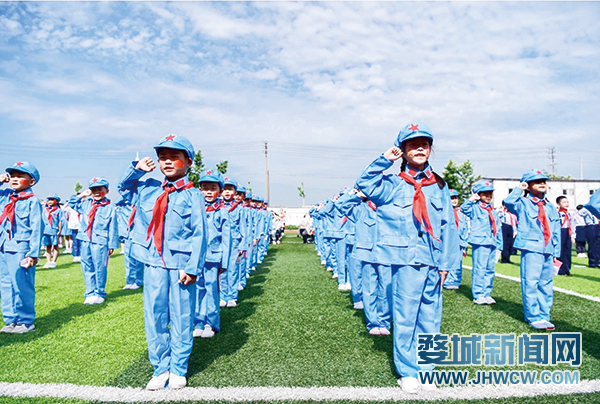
(267,171)
(552,153)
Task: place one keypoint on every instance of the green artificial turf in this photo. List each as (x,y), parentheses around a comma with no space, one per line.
(292,327)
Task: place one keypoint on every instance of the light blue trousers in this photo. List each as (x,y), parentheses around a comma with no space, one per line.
(230,278)
(354,273)
(417,308)
(454,277)
(207,299)
(376,294)
(536,285)
(484,270)
(94,260)
(168,303)
(17,289)
(134,269)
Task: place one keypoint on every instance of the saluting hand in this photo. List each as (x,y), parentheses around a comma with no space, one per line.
(393,153)
(4,177)
(474,198)
(85,194)
(146,164)
(524,186)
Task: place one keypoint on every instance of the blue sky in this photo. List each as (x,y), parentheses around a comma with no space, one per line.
(84,86)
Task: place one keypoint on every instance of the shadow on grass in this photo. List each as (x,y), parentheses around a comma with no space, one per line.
(233,336)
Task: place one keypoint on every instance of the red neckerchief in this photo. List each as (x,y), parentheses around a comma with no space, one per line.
(156,227)
(456,218)
(50,210)
(511,216)
(372,205)
(131,217)
(215,205)
(489,209)
(542,218)
(9,209)
(92,215)
(344,220)
(419,200)
(566,219)
(233,206)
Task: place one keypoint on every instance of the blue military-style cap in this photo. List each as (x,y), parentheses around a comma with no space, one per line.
(212,176)
(176,142)
(240,188)
(411,131)
(266,201)
(98,182)
(483,187)
(534,175)
(248,194)
(229,181)
(453,192)
(54,196)
(26,168)
(343,190)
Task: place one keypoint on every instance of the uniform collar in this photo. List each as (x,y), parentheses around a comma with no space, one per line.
(536,200)
(178,184)
(416,174)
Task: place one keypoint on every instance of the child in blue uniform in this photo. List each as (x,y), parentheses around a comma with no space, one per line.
(417,237)
(53,222)
(485,239)
(538,239)
(134,269)
(567,235)
(21,229)
(207,319)
(169,236)
(99,237)
(454,278)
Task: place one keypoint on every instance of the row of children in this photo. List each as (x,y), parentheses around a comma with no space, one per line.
(197,249)
(396,240)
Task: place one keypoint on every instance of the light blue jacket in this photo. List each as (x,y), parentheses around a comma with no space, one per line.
(347,204)
(365,232)
(57,217)
(26,234)
(185,229)
(219,233)
(105,229)
(464,226)
(481,225)
(594,205)
(530,234)
(401,238)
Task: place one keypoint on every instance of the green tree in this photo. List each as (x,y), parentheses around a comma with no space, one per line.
(461,178)
(301,192)
(196,169)
(557,177)
(78,187)
(222,167)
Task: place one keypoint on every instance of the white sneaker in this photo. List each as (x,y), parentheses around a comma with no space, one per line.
(22,329)
(240,288)
(451,287)
(231,303)
(539,325)
(208,332)
(158,382)
(247,276)
(98,300)
(322,262)
(51,265)
(222,303)
(8,328)
(126,287)
(342,286)
(334,276)
(89,300)
(481,300)
(76,259)
(176,382)
(122,252)
(490,300)
(549,326)
(47,265)
(198,332)
(134,286)
(329,269)
(582,255)
(359,306)
(384,331)
(67,251)
(348,286)
(428,386)
(260,262)
(410,385)
(374,331)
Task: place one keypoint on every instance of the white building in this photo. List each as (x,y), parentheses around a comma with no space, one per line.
(293,216)
(577,191)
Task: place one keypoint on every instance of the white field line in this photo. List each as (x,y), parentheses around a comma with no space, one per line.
(561,290)
(245,394)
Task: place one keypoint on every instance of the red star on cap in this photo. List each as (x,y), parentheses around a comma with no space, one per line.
(226,178)
(170,138)
(487,184)
(94,180)
(209,172)
(19,163)
(414,128)
(538,172)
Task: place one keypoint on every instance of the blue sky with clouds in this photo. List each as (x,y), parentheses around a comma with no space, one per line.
(86,85)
